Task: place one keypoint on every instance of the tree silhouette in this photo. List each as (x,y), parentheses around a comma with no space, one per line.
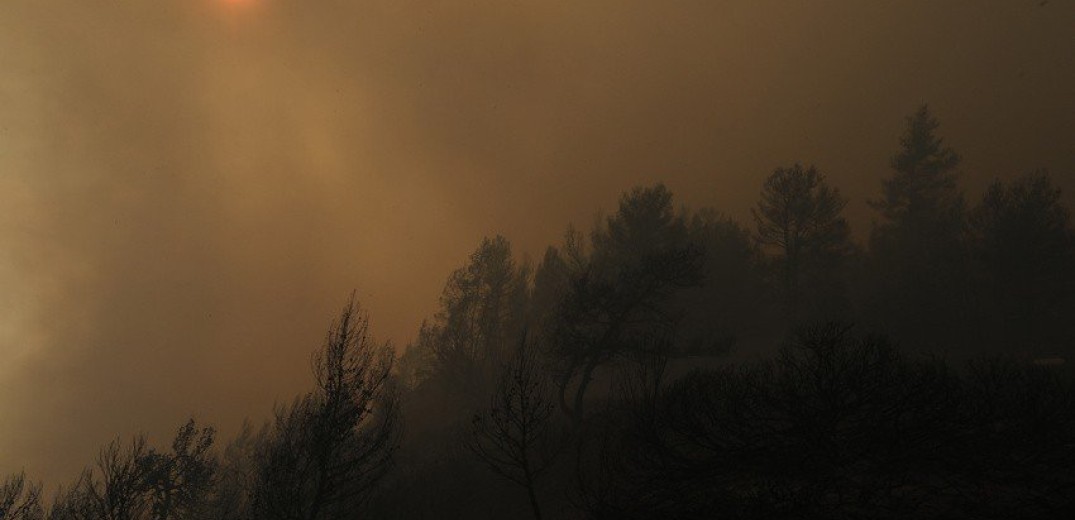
(179,483)
(731,301)
(136,482)
(801,217)
(483,305)
(551,281)
(114,489)
(841,427)
(237,475)
(923,184)
(918,262)
(619,293)
(515,437)
(1025,246)
(328,449)
(20,499)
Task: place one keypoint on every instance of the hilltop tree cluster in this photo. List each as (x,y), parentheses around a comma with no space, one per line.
(670,363)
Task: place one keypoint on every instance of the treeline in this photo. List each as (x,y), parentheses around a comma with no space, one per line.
(319,457)
(679,364)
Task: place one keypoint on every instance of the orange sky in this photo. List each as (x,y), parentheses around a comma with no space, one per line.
(191,189)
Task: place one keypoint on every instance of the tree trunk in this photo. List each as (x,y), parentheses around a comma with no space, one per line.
(533,500)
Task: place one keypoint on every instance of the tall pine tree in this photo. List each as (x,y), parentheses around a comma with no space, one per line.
(918,254)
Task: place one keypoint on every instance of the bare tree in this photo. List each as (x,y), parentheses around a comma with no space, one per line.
(20,499)
(330,447)
(114,489)
(136,482)
(516,436)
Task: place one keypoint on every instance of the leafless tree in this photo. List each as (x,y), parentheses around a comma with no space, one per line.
(114,489)
(516,437)
(136,482)
(20,499)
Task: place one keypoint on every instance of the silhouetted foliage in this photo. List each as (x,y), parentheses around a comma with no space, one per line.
(237,476)
(133,481)
(482,307)
(801,217)
(619,292)
(923,185)
(1025,247)
(552,280)
(732,301)
(180,482)
(918,268)
(839,427)
(328,449)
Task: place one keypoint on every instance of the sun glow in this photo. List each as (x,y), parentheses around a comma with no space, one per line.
(233,8)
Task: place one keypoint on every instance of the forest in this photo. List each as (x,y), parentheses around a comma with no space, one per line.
(675,363)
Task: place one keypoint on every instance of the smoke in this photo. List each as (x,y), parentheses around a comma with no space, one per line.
(193,187)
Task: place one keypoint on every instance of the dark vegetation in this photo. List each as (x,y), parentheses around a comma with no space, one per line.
(676,364)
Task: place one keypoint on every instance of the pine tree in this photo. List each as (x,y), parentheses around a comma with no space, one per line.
(801,217)
(918,257)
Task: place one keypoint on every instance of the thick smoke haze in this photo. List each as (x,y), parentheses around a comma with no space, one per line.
(191,188)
